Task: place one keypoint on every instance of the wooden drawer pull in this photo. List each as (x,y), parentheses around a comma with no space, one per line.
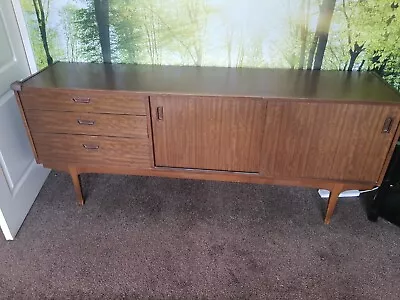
(160,113)
(85,122)
(90,147)
(387,125)
(81,100)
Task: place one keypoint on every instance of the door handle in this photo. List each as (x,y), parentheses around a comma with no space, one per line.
(160,113)
(387,126)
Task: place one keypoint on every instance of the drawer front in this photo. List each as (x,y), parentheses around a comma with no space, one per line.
(84,101)
(81,149)
(86,123)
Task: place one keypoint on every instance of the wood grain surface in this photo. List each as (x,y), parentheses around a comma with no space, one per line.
(208,132)
(325,140)
(197,174)
(98,101)
(27,129)
(323,129)
(217,81)
(75,149)
(87,123)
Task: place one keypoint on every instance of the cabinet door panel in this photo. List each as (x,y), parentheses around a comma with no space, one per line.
(326,140)
(208,132)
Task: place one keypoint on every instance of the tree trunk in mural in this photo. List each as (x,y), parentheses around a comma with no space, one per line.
(102,12)
(356,49)
(312,52)
(321,35)
(378,65)
(229,44)
(354,53)
(324,24)
(305,7)
(361,66)
(196,11)
(40,15)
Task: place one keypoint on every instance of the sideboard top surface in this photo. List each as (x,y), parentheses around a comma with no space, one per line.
(217,81)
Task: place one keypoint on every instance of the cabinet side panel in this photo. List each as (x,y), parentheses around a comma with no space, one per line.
(389,154)
(28,131)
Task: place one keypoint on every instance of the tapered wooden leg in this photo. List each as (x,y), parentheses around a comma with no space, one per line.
(77,184)
(333,198)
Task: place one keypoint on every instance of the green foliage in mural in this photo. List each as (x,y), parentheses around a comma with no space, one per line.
(368,39)
(68,15)
(348,35)
(126,30)
(85,28)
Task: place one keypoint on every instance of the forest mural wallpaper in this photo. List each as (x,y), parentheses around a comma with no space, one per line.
(348,35)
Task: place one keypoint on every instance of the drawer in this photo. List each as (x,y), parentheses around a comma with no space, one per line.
(86,123)
(99,150)
(116,102)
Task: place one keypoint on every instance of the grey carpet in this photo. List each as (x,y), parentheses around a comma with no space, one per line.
(154,238)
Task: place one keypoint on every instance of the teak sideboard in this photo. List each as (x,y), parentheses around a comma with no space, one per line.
(324,129)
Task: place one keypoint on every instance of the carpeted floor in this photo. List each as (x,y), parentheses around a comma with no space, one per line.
(154,238)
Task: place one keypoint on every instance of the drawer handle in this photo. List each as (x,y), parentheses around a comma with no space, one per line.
(81,100)
(90,147)
(85,122)
(387,125)
(160,113)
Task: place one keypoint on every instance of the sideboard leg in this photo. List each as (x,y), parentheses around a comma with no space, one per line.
(333,198)
(77,184)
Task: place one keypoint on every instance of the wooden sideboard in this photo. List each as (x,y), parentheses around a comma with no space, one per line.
(323,129)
